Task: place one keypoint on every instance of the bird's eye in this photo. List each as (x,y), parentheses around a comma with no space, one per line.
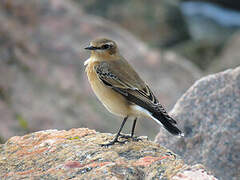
(106,46)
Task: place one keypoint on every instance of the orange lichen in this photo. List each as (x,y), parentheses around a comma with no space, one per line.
(38,151)
(26,172)
(148,160)
(76,164)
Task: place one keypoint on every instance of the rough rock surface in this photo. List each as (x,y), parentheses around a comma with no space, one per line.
(42,80)
(76,154)
(209,113)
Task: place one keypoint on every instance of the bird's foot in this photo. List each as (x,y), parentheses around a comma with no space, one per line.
(113,142)
(134,138)
(125,136)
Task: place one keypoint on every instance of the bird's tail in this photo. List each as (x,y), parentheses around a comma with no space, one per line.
(167,122)
(154,110)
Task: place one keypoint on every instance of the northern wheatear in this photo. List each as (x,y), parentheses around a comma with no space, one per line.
(121,90)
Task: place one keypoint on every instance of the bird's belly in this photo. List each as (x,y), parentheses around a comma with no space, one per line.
(113,101)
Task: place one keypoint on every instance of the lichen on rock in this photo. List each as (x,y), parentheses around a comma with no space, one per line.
(76,154)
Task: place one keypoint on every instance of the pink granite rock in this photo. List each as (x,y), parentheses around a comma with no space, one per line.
(76,154)
(209,114)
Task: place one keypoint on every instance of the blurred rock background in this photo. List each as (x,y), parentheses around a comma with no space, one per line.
(42,79)
(172,43)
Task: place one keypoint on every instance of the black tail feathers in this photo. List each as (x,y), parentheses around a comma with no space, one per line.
(157,111)
(168,123)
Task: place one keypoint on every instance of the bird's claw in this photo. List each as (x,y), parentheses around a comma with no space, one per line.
(130,137)
(112,143)
(125,136)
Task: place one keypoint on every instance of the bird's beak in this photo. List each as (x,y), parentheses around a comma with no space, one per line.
(90,48)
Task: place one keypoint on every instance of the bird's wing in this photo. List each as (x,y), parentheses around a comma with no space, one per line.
(120,75)
(122,78)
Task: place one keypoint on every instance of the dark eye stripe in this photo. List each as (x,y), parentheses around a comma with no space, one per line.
(105,46)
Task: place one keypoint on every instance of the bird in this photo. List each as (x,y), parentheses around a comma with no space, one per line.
(121,90)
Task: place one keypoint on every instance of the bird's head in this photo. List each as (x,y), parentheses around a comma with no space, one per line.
(103,47)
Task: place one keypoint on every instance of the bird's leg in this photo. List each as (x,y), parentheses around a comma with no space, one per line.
(132,132)
(117,135)
(133,126)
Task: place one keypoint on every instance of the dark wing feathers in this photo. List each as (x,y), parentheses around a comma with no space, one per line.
(115,74)
(149,102)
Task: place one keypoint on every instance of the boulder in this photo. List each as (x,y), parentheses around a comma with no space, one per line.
(229,57)
(209,115)
(77,154)
(211,24)
(158,23)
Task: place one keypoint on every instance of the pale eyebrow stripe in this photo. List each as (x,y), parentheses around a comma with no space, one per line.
(109,43)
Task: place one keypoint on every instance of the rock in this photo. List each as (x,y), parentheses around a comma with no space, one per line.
(228,4)
(76,154)
(219,21)
(229,57)
(42,80)
(211,23)
(202,53)
(210,27)
(209,114)
(158,23)
(176,25)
